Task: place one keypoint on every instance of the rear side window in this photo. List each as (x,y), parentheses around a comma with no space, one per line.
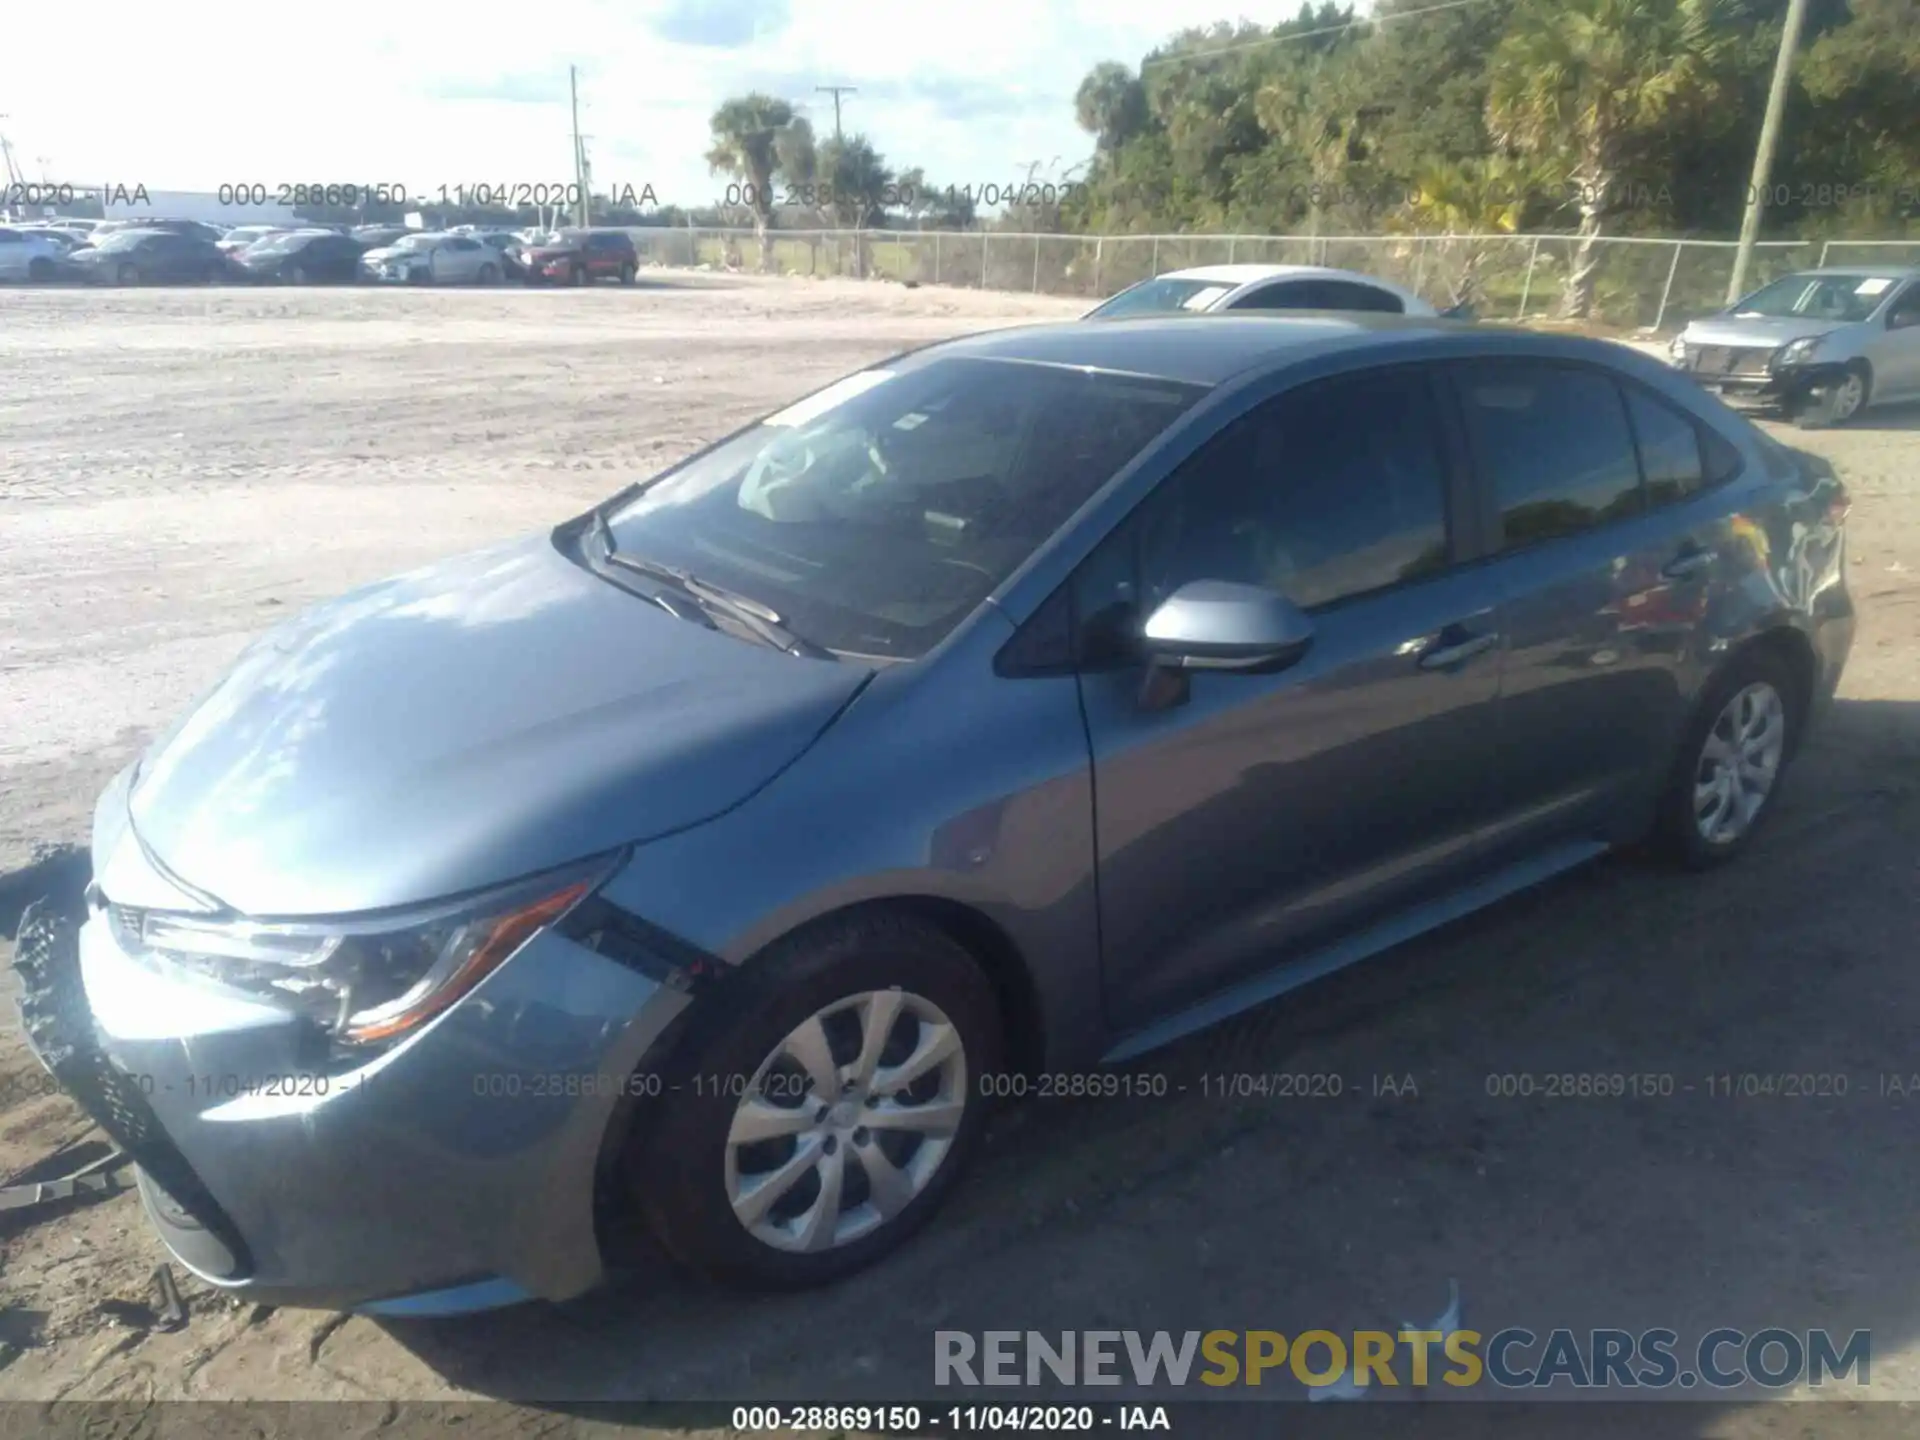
(1322,295)
(1671,454)
(1554,444)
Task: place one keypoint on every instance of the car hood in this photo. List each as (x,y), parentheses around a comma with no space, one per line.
(465,724)
(388,252)
(1726,330)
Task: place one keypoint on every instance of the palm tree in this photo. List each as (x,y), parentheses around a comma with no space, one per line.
(1574,80)
(1471,197)
(758,139)
(1110,105)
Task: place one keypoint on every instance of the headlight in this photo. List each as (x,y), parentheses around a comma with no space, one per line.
(1797,352)
(367,980)
(1678,349)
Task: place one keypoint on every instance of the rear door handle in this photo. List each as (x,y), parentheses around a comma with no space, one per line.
(1690,561)
(1448,651)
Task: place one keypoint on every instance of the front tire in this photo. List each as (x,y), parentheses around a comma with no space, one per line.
(1835,402)
(128,275)
(488,275)
(828,1110)
(40,270)
(627,274)
(1731,761)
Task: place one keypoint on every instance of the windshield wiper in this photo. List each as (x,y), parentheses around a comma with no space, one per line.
(748,613)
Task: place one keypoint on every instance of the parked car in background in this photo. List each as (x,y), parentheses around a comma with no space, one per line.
(375,237)
(241,236)
(66,239)
(1819,345)
(744,826)
(142,257)
(434,258)
(27,255)
(303,257)
(511,249)
(576,256)
(1210,288)
(196,229)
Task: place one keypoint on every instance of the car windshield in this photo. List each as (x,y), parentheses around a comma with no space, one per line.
(876,514)
(1845,298)
(1163,296)
(416,242)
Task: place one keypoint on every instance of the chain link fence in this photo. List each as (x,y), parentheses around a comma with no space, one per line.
(1636,284)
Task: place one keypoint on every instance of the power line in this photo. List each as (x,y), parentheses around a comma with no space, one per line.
(1354,24)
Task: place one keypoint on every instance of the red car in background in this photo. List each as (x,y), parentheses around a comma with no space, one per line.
(576,256)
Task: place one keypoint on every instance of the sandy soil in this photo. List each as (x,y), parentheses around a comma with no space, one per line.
(179,468)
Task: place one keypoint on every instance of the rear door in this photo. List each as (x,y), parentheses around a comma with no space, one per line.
(1600,589)
(1269,811)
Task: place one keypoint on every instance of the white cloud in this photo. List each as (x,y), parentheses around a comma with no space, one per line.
(452,92)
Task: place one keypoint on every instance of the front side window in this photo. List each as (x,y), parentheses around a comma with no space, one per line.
(1331,492)
(875,515)
(1554,444)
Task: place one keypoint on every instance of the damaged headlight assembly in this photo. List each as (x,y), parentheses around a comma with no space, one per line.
(364,980)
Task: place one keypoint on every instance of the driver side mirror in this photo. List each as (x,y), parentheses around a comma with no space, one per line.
(1219,625)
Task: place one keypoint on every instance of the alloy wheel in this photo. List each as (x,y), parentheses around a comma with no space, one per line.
(1849,395)
(847,1121)
(1739,763)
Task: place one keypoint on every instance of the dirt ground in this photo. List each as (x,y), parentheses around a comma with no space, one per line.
(180,468)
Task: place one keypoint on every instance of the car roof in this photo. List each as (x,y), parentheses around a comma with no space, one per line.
(1247,274)
(1862,272)
(1209,350)
(1199,350)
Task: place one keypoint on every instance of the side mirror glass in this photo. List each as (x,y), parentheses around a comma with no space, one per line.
(1222,625)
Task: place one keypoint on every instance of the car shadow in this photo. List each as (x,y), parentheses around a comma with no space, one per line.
(1182,1208)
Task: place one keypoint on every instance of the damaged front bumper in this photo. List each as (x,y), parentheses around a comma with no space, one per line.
(456,1171)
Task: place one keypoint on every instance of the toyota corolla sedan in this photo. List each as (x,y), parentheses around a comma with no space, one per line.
(1017,705)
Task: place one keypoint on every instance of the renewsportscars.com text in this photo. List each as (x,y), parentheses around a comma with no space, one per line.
(1510,1359)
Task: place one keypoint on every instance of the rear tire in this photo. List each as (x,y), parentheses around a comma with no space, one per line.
(128,275)
(488,275)
(40,270)
(879,980)
(627,273)
(579,272)
(1732,758)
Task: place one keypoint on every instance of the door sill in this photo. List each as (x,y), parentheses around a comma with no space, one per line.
(1361,945)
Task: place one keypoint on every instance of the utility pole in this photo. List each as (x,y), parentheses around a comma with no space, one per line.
(1763,156)
(580,211)
(836,91)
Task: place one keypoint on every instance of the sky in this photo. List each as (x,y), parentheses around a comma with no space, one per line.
(462,92)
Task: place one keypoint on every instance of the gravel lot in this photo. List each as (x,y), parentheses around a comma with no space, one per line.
(179,468)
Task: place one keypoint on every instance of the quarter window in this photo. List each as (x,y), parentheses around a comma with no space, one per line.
(1554,443)
(1670,450)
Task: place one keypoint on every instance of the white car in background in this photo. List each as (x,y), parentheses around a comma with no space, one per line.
(27,256)
(433,258)
(1211,288)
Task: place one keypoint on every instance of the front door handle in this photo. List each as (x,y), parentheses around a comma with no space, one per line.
(1449,651)
(1690,561)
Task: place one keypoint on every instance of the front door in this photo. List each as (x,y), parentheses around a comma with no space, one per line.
(1269,811)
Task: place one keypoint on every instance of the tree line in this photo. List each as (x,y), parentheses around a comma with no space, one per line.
(1591,116)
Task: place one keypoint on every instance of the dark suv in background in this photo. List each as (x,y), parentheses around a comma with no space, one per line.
(577,256)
